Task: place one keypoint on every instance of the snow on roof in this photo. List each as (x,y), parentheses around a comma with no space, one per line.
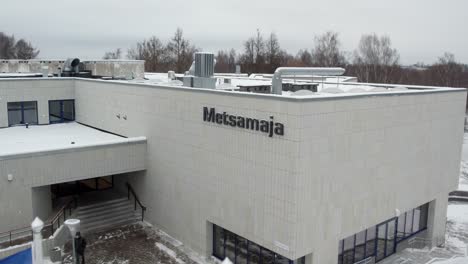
(21,140)
(19,74)
(327,86)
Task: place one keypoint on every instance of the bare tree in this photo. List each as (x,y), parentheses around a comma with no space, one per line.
(222,62)
(375,59)
(11,49)
(248,57)
(232,60)
(273,53)
(326,52)
(304,58)
(25,51)
(153,52)
(113,55)
(7,46)
(253,58)
(446,71)
(181,50)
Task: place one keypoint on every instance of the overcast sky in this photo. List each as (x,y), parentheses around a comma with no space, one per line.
(420,30)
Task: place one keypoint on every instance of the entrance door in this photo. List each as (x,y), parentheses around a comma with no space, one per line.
(385,239)
(77,187)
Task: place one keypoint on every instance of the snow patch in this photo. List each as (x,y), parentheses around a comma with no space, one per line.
(169,252)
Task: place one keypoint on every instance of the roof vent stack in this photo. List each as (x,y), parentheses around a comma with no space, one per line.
(204,64)
(200,74)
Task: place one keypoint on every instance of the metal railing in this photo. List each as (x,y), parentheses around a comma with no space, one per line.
(130,190)
(23,235)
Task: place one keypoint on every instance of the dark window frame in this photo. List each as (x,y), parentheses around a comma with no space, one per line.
(22,113)
(249,245)
(424,212)
(61,117)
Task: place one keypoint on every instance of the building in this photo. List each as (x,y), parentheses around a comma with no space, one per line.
(118,69)
(320,177)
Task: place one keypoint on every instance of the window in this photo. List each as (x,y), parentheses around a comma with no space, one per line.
(380,241)
(22,113)
(412,222)
(242,251)
(61,111)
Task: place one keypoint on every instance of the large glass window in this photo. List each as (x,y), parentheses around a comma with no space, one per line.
(61,111)
(242,251)
(412,222)
(380,241)
(22,113)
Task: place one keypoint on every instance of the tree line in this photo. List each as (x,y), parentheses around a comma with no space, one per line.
(374,59)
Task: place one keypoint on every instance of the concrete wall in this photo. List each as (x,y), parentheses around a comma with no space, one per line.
(363,158)
(343,164)
(63,165)
(199,172)
(41,202)
(15,90)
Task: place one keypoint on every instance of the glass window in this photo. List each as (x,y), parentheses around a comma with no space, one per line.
(230,246)
(254,254)
(242,251)
(218,244)
(409,223)
(401,226)
(61,111)
(22,113)
(268,256)
(370,245)
(423,216)
(348,252)
(68,109)
(359,253)
(391,228)
(381,241)
(416,218)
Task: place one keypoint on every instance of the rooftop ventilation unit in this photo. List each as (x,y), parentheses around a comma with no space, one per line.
(204,64)
(200,74)
(71,65)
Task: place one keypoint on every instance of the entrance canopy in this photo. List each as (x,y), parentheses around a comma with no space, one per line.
(50,154)
(22,140)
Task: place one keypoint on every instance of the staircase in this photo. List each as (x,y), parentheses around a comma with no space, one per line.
(107,214)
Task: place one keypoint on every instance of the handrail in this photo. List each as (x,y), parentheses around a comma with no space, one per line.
(132,191)
(49,225)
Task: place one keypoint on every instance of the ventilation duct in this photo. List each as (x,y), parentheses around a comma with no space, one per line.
(277,83)
(204,64)
(71,65)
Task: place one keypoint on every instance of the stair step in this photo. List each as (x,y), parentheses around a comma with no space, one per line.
(108,202)
(105,217)
(108,218)
(103,210)
(109,224)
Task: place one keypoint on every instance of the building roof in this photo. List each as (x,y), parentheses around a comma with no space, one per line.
(42,138)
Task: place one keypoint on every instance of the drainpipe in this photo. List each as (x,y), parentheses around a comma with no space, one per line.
(277,83)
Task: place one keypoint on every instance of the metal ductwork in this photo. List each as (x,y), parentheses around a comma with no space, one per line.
(277,82)
(71,65)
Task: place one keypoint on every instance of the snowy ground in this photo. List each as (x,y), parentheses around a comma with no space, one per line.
(134,244)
